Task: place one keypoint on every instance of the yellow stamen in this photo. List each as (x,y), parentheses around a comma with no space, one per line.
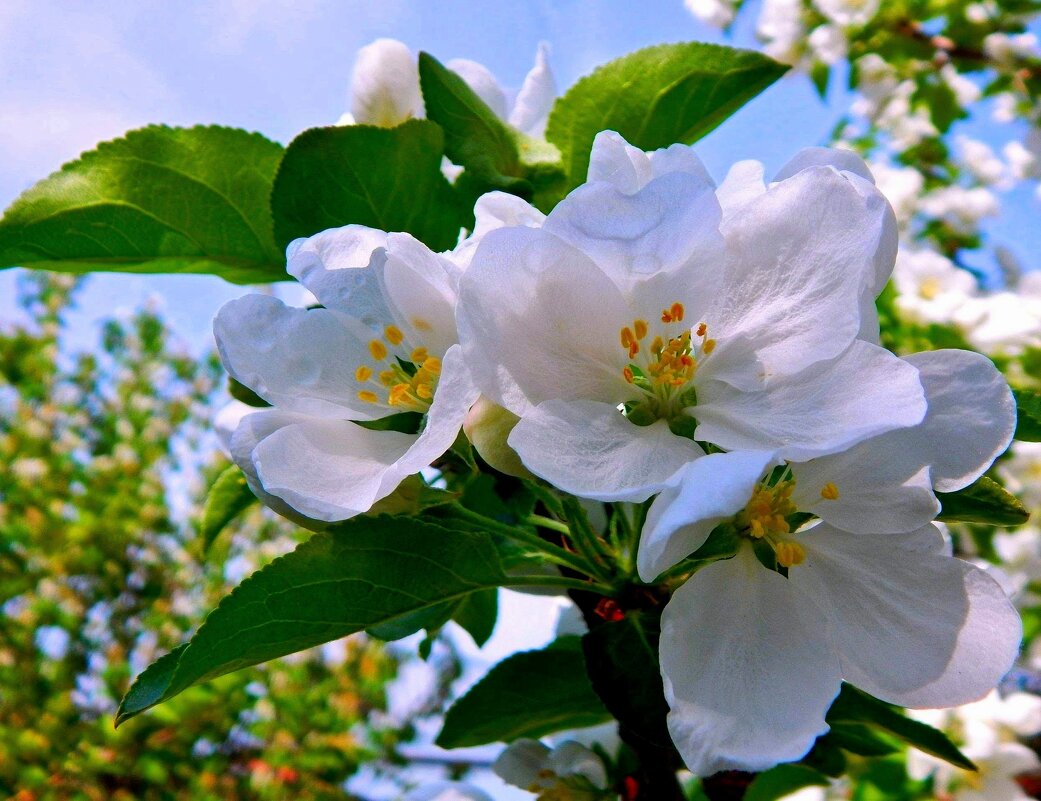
(393,334)
(388,377)
(677,312)
(363,373)
(420,324)
(627,372)
(418,356)
(640,326)
(830,492)
(789,553)
(378,350)
(368,397)
(702,329)
(432,364)
(424,391)
(708,346)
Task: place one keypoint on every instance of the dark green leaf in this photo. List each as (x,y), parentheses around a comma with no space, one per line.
(475,138)
(856,706)
(477,614)
(984,501)
(159,200)
(241,392)
(655,97)
(859,739)
(386,178)
(229,496)
(529,694)
(783,780)
(360,574)
(1028,409)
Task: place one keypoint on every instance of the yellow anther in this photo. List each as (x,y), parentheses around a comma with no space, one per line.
(418,356)
(640,327)
(393,334)
(708,346)
(424,391)
(702,329)
(398,394)
(657,345)
(388,378)
(627,337)
(363,373)
(829,492)
(378,350)
(627,372)
(789,553)
(420,324)
(432,365)
(677,311)
(368,397)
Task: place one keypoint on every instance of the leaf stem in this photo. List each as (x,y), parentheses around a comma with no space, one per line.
(559,581)
(550,523)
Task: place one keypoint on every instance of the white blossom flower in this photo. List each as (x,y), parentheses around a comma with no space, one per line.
(384,343)
(717,13)
(828,43)
(848,13)
(385,88)
(902,187)
(780,28)
(1007,49)
(931,288)
(634,311)
(552,773)
(872,595)
(982,162)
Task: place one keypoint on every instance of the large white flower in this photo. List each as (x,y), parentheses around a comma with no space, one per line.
(385,88)
(751,660)
(384,343)
(646,313)
(871,595)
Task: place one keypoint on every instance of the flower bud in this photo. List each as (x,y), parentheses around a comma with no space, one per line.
(487,426)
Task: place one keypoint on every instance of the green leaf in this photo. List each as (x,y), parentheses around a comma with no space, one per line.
(359,574)
(241,392)
(783,780)
(158,200)
(475,138)
(856,706)
(229,496)
(386,178)
(529,694)
(984,501)
(1028,410)
(477,614)
(860,739)
(655,97)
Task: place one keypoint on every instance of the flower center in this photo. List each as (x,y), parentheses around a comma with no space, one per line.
(663,369)
(406,379)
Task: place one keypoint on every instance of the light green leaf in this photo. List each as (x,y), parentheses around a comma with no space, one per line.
(1028,410)
(477,615)
(984,501)
(386,178)
(229,496)
(158,200)
(783,780)
(359,574)
(655,97)
(529,694)
(856,706)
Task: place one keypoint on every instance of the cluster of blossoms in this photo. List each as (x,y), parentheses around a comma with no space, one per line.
(656,336)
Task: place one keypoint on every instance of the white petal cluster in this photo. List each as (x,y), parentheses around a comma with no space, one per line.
(658,335)
(567,771)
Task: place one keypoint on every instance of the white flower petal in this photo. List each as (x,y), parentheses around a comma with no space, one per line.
(748,673)
(574,759)
(913,626)
(799,258)
(743,182)
(536,96)
(672,222)
(420,287)
(825,409)
(480,79)
(520,762)
(385,84)
(629,169)
(840,159)
(589,449)
(539,320)
(703,494)
(492,211)
(331,264)
(329,469)
(971,417)
(299,360)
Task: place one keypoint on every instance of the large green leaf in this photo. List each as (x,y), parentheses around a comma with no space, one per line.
(229,496)
(856,706)
(1028,420)
(984,501)
(655,97)
(386,178)
(529,694)
(158,200)
(360,574)
(783,780)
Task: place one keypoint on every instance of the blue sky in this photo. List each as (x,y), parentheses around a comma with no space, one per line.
(77,73)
